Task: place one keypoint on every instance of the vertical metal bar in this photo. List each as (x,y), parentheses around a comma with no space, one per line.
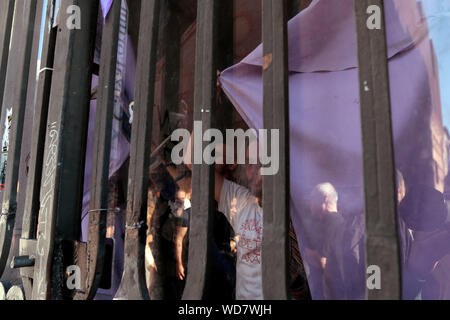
(293,8)
(26,141)
(7,9)
(172,49)
(200,231)
(133,285)
(32,202)
(62,177)
(24,38)
(382,247)
(276,188)
(101,155)
(225,58)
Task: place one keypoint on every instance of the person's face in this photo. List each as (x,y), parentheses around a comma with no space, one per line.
(181,195)
(318,207)
(253,172)
(321,206)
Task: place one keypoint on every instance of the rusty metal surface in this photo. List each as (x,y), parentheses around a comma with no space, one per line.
(62,176)
(382,248)
(39,130)
(13,275)
(6,15)
(199,262)
(276,193)
(55,181)
(98,207)
(23,36)
(133,286)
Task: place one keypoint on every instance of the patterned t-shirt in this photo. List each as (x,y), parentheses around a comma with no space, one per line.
(246,217)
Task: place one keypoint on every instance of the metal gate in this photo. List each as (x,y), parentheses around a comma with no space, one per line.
(50,232)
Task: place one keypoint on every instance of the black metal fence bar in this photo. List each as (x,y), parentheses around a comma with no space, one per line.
(62,177)
(55,182)
(11,274)
(382,247)
(199,264)
(133,285)
(24,38)
(7,13)
(276,194)
(98,208)
(32,200)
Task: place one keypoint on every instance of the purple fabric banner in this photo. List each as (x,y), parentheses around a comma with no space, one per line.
(106,6)
(120,151)
(326,129)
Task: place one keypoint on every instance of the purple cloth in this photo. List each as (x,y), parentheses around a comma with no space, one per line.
(325,117)
(120,148)
(106,6)
(120,153)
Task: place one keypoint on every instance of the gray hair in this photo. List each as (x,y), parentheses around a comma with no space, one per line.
(322,191)
(400,179)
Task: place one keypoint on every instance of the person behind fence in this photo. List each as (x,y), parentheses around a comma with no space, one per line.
(326,257)
(223,270)
(423,229)
(181,208)
(243,209)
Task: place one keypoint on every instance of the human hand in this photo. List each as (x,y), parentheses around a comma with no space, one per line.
(233,246)
(323,262)
(180,271)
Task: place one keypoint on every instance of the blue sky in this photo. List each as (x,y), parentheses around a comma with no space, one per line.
(41,39)
(438,16)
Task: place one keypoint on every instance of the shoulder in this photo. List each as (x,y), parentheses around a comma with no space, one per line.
(238,198)
(235,189)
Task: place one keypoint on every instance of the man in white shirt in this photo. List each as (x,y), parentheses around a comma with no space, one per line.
(242,208)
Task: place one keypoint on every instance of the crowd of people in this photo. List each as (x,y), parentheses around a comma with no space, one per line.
(238,230)
(336,263)
(333,263)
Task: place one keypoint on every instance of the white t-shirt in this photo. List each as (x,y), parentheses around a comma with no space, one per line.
(246,217)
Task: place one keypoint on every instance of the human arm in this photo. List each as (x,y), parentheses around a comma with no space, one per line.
(218,176)
(314,258)
(180,233)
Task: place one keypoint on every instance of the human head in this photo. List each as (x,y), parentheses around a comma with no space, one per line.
(252,166)
(401,186)
(324,198)
(180,203)
(253,170)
